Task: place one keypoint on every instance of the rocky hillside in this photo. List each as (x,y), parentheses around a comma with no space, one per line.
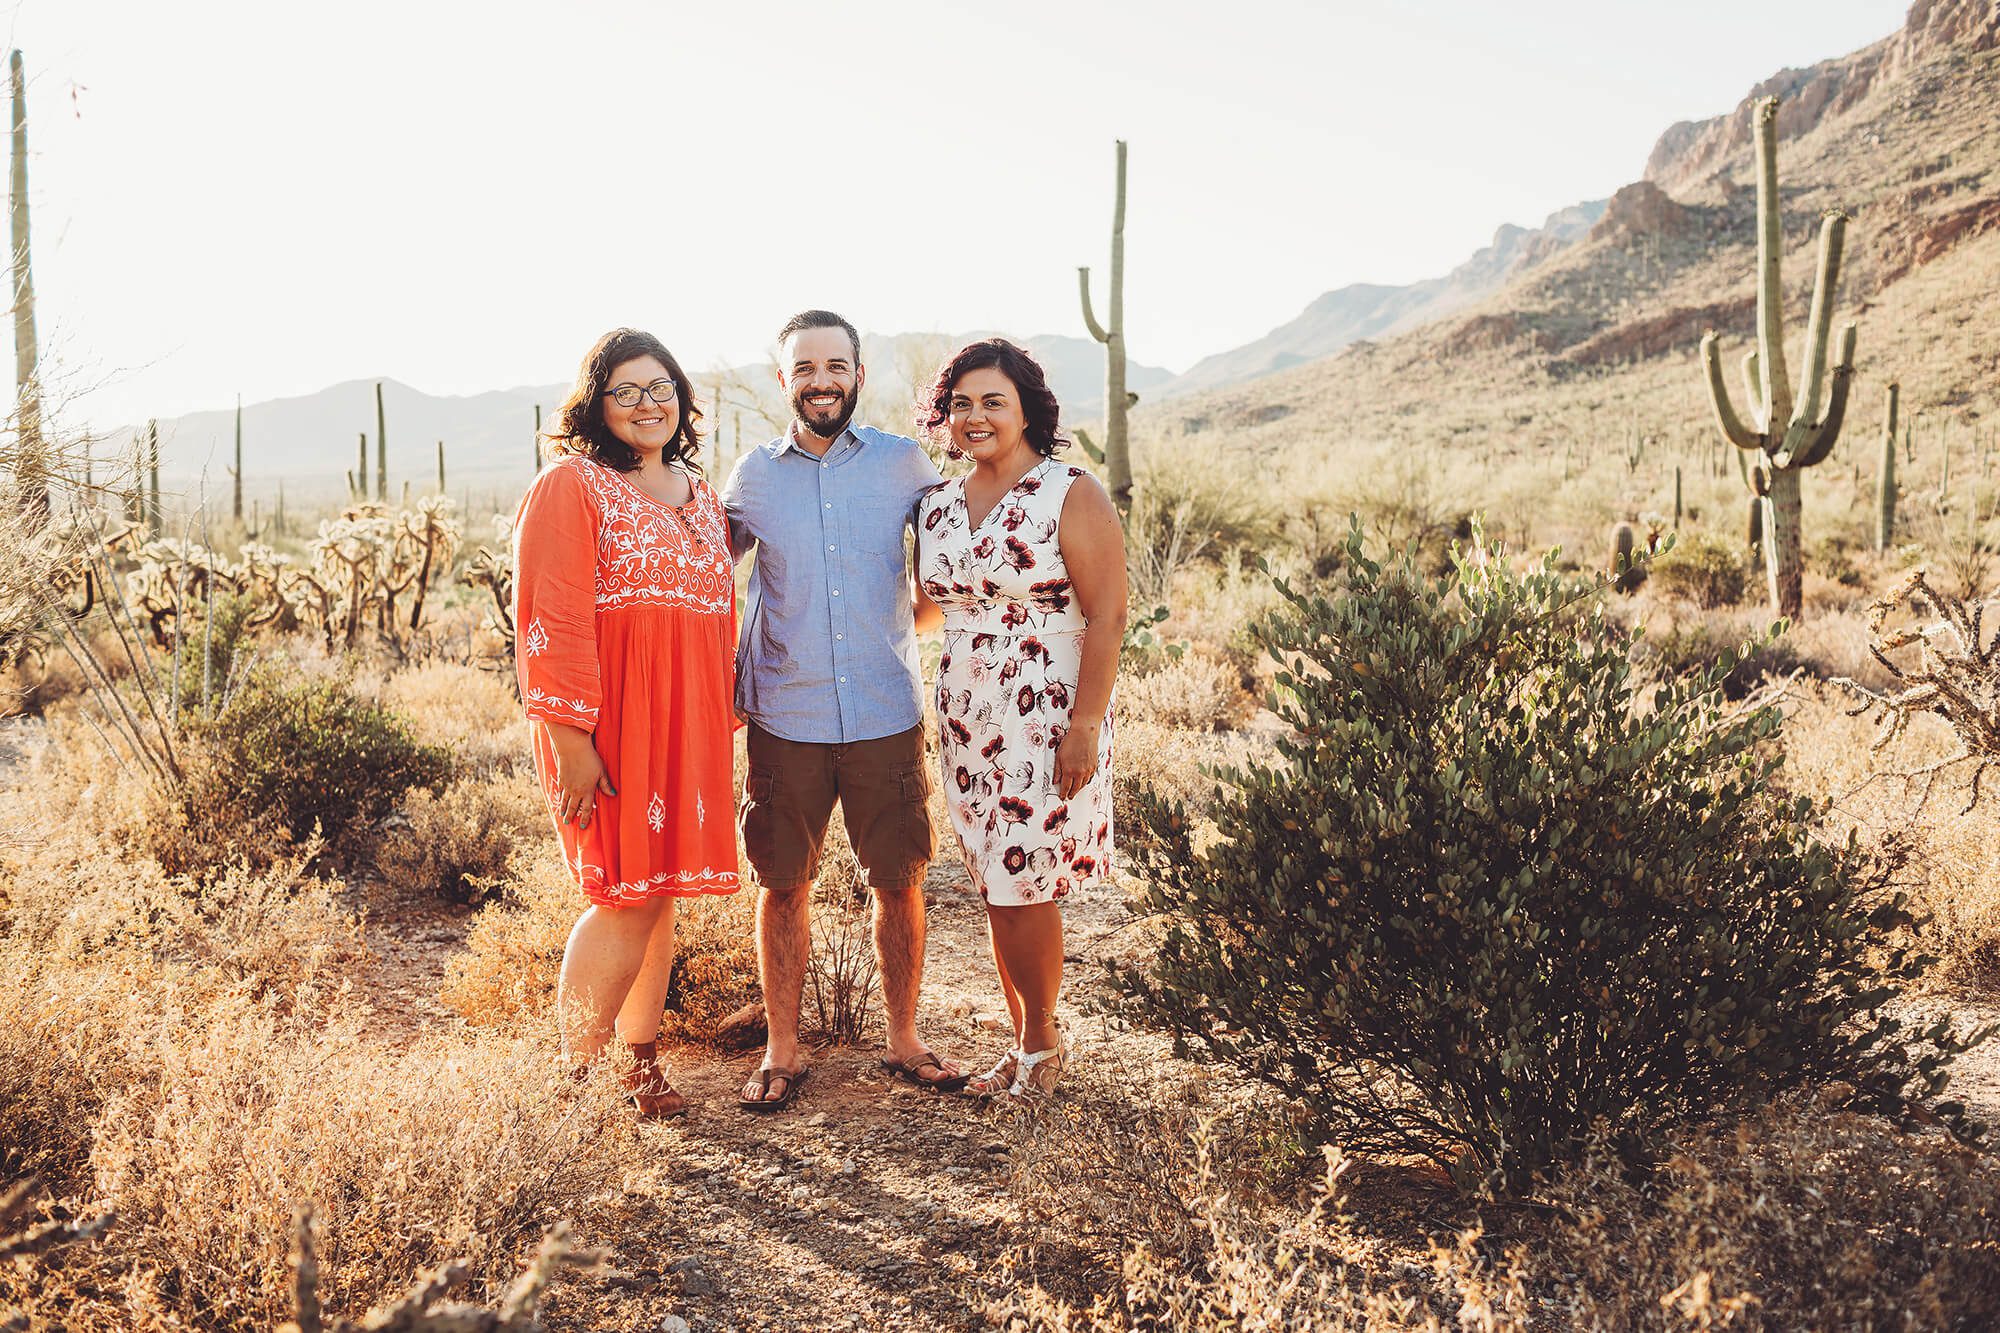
(1349,314)
(1600,338)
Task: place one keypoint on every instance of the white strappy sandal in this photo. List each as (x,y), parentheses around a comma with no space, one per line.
(1038,1072)
(1003,1077)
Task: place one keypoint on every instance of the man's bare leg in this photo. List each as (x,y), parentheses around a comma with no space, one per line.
(899,957)
(784,940)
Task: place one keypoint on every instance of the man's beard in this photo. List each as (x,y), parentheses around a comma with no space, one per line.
(829,430)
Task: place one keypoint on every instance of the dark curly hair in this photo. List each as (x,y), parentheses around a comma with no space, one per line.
(579,425)
(1038,404)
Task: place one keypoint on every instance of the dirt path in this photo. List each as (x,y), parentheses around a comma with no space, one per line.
(868,1204)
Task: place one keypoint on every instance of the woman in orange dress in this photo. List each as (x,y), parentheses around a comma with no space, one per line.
(625,647)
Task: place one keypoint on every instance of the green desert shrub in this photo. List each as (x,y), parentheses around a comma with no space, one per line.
(1478,903)
(1700,568)
(289,753)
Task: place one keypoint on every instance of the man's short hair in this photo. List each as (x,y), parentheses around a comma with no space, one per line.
(820,319)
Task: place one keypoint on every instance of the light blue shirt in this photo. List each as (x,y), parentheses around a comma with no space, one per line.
(827,651)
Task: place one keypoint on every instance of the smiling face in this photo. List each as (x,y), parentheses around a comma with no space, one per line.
(987,423)
(823,378)
(646,427)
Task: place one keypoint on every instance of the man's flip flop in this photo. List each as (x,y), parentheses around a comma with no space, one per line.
(763,1102)
(912,1073)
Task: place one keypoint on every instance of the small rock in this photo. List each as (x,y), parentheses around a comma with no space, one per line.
(673,1323)
(995,1147)
(817,1120)
(695,1277)
(994,1020)
(742,1030)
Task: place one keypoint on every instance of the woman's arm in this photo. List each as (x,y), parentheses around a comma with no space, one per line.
(1093,549)
(555,563)
(928,614)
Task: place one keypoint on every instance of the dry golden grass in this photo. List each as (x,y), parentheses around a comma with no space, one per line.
(1950,870)
(471,710)
(458,843)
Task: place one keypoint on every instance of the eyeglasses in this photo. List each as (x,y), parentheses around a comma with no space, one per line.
(628,395)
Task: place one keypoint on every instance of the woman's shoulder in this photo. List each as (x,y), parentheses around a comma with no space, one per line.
(564,479)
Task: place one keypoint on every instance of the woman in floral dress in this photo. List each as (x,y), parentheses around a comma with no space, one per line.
(625,628)
(1026,558)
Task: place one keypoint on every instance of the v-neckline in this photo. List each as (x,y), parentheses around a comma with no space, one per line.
(676,509)
(987,517)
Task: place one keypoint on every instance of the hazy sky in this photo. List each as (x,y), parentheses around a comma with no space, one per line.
(268,198)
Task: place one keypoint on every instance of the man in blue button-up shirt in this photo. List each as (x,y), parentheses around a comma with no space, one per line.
(827,677)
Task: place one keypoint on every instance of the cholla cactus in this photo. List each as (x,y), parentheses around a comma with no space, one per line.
(374,564)
(492,568)
(1956,675)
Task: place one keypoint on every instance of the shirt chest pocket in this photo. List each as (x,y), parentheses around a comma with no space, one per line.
(876,523)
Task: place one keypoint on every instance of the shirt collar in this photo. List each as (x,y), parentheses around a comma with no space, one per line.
(788,441)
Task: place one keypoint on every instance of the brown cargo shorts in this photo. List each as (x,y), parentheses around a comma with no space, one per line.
(884,795)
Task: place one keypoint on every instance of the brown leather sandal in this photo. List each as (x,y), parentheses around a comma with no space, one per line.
(911,1071)
(763,1102)
(647,1084)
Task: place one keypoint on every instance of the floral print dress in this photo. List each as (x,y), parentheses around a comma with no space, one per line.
(1013,649)
(625,614)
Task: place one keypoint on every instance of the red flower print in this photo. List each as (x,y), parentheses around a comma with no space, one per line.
(1103,834)
(994,746)
(988,588)
(1075,471)
(982,549)
(1031,648)
(1062,889)
(1057,694)
(1057,818)
(982,641)
(1026,700)
(1029,485)
(958,731)
(1018,555)
(1014,860)
(1015,810)
(1010,669)
(1014,616)
(1014,517)
(964,779)
(944,663)
(931,520)
(1084,865)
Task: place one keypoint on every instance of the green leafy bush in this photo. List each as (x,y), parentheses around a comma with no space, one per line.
(287,754)
(1480,903)
(1700,568)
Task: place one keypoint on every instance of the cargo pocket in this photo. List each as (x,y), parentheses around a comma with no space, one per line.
(919,839)
(755,819)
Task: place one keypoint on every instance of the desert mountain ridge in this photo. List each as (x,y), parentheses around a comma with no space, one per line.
(1599,338)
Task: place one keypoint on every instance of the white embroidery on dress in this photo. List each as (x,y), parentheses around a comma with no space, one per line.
(656,813)
(700,812)
(537,641)
(550,702)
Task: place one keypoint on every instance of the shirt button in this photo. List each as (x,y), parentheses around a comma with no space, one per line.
(843,680)
(831,547)
(838,638)
(827,506)
(836,592)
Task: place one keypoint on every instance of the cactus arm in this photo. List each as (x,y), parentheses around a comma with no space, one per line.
(1730,424)
(1820,438)
(1806,412)
(1753,393)
(1089,319)
(1777,395)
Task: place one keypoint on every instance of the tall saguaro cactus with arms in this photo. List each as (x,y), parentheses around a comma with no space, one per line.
(1787,434)
(1117,452)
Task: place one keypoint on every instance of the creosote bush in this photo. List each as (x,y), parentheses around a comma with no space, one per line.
(288,754)
(1700,568)
(458,843)
(1481,903)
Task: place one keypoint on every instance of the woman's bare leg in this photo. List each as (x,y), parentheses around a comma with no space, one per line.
(646,1002)
(606,949)
(1029,943)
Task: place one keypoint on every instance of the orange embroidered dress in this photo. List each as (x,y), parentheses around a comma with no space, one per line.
(624,616)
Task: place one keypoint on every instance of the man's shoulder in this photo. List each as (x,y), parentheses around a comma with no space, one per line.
(886,440)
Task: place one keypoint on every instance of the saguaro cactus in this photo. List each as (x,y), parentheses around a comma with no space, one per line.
(1885,479)
(1117,402)
(31,467)
(381,449)
(357,481)
(236,473)
(538,438)
(440,467)
(1786,435)
(154,518)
